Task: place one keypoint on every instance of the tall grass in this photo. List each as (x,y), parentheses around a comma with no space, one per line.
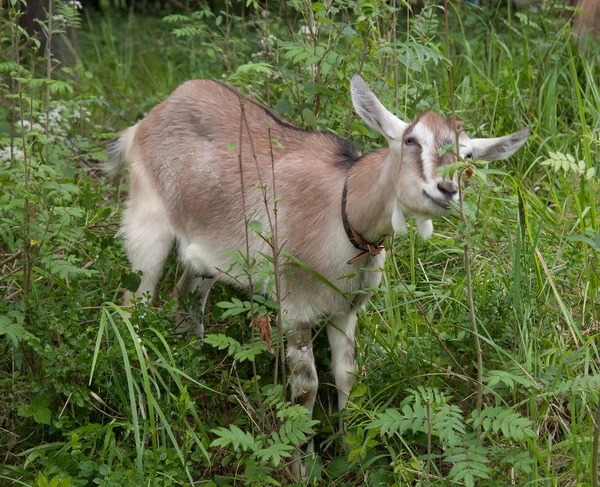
(90,393)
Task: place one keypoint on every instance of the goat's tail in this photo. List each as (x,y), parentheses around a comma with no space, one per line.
(119,150)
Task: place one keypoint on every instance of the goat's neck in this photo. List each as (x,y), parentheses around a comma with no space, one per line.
(371,194)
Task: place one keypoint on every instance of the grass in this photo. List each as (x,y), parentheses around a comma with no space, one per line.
(91,395)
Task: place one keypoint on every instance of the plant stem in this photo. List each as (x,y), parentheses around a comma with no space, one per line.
(249,263)
(48,73)
(26,237)
(595,447)
(275,251)
(466,249)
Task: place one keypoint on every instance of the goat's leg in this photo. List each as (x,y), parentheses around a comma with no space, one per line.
(148,241)
(301,362)
(189,283)
(303,377)
(341,332)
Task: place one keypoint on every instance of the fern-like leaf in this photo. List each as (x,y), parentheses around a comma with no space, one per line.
(469,462)
(187,31)
(234,437)
(567,163)
(510,378)
(222,342)
(175,19)
(448,424)
(582,384)
(497,420)
(274,452)
(249,352)
(296,425)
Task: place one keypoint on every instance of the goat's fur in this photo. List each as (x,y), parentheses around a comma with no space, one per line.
(586,26)
(199,162)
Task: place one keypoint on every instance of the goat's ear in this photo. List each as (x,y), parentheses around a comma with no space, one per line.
(375,115)
(499,147)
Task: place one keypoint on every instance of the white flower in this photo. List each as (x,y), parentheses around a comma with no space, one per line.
(305,30)
(59,18)
(5,154)
(73,3)
(267,42)
(58,120)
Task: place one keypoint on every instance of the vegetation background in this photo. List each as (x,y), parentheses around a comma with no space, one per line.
(511,398)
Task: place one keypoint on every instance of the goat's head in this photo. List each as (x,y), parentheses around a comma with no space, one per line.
(417,151)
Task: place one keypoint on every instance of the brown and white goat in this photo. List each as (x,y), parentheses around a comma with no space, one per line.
(334,204)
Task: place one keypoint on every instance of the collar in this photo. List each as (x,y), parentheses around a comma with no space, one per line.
(366,248)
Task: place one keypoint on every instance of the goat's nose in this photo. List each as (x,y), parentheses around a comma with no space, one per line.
(448,188)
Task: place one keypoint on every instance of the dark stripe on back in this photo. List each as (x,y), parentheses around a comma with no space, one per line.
(281,122)
(267,111)
(348,154)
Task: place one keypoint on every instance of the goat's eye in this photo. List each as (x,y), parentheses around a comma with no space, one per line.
(469,156)
(410,141)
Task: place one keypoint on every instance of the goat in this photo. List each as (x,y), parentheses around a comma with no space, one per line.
(586,25)
(334,204)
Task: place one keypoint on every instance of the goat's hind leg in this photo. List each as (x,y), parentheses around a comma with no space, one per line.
(193,310)
(148,241)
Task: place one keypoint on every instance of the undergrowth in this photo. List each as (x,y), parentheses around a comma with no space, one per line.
(92,396)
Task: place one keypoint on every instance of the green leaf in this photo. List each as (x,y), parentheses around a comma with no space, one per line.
(580,238)
(309,118)
(249,352)
(11,325)
(63,268)
(314,469)
(312,88)
(233,437)
(38,409)
(359,128)
(510,379)
(220,341)
(131,281)
(337,467)
(283,106)
(358,390)
(559,161)
(275,453)
(252,68)
(255,226)
(188,31)
(42,481)
(503,420)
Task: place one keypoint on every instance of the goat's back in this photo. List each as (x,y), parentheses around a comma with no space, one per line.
(207,143)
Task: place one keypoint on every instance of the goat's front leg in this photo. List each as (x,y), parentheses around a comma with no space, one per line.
(341,332)
(303,378)
(301,362)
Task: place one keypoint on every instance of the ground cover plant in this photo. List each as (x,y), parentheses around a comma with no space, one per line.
(477,357)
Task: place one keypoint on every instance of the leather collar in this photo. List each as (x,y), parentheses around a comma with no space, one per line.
(366,248)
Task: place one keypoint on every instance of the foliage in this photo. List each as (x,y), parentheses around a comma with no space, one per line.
(91,395)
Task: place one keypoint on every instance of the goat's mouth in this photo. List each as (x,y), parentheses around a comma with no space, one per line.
(445,204)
